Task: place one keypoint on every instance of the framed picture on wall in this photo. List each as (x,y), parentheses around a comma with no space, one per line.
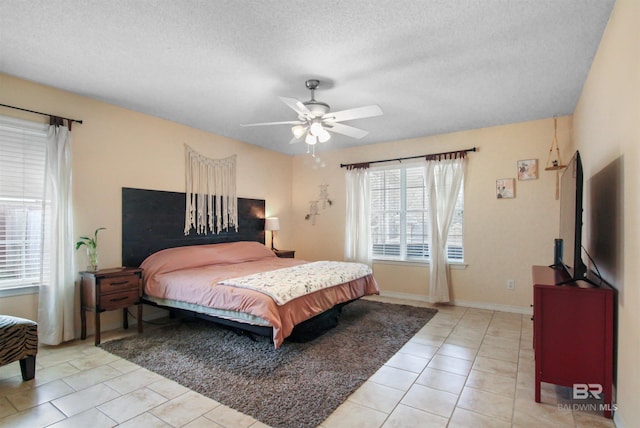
(506,188)
(528,169)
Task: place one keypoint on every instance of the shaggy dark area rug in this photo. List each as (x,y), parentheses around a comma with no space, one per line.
(297,385)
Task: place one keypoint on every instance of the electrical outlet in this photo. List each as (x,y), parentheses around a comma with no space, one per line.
(511,284)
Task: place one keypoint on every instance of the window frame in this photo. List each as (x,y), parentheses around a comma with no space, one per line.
(402,253)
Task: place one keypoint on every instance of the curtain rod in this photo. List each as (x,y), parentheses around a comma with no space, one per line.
(346,165)
(43,114)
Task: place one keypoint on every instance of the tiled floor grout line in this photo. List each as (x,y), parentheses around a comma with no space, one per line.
(436,353)
(484,334)
(467,375)
(427,366)
(515,387)
(423,369)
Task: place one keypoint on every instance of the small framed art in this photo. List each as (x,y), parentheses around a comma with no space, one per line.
(506,188)
(528,169)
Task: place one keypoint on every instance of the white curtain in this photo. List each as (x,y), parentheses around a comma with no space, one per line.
(56,299)
(444,178)
(357,246)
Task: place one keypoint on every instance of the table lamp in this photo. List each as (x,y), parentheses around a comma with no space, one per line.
(271,224)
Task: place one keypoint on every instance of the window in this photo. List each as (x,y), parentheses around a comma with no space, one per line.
(400,223)
(22,173)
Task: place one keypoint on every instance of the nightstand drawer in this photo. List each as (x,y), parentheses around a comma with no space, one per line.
(119,300)
(285,254)
(119,283)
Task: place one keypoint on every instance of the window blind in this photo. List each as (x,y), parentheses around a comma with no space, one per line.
(22,180)
(400,223)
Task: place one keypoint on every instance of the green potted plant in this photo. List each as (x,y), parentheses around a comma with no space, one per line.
(92,248)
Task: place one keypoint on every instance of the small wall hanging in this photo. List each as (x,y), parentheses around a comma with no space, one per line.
(555,164)
(528,169)
(506,188)
(324,196)
(314,210)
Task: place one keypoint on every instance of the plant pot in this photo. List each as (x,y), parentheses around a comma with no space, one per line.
(92,256)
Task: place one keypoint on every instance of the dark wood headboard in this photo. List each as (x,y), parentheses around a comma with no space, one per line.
(153,220)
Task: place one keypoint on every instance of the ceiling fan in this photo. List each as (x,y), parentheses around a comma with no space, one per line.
(315,120)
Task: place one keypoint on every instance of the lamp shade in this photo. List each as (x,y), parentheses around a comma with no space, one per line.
(298,131)
(272,223)
(316,128)
(323,135)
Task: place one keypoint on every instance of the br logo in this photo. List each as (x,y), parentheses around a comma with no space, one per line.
(583,391)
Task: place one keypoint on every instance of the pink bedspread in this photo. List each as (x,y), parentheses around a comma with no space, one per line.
(191,274)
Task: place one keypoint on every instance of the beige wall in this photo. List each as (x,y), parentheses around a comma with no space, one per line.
(607,127)
(116,148)
(502,238)
(24,306)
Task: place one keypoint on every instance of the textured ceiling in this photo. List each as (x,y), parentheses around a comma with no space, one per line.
(433,66)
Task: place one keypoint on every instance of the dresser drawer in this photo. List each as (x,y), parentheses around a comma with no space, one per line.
(119,283)
(121,299)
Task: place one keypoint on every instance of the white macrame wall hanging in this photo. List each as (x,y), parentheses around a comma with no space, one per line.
(212,203)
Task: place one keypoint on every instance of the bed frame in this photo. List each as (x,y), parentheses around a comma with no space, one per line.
(153,220)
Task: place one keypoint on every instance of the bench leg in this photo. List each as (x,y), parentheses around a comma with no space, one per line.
(28,367)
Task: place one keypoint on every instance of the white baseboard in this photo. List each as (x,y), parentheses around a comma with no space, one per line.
(495,307)
(406,296)
(465,303)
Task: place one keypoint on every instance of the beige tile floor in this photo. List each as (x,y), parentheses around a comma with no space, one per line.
(465,368)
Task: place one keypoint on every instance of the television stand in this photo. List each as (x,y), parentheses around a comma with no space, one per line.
(573,337)
(569,280)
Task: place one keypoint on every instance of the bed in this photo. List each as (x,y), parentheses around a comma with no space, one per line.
(231,278)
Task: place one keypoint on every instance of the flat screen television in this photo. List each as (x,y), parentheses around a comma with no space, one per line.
(571,191)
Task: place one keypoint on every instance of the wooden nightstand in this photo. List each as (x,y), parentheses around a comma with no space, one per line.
(285,254)
(109,289)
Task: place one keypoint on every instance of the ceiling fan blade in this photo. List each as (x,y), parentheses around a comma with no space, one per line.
(295,140)
(347,130)
(354,113)
(288,122)
(296,106)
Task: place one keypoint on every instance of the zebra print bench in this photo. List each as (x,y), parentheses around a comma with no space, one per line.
(19,342)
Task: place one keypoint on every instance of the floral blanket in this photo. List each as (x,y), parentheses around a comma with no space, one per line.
(289,283)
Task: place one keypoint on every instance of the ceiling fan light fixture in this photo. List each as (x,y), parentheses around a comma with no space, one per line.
(315,119)
(324,136)
(310,139)
(298,131)
(316,128)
